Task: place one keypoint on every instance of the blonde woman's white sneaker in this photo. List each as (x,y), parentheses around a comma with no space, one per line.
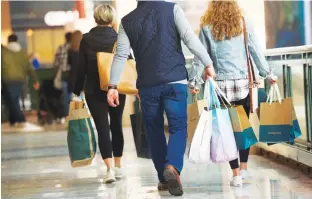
(110,177)
(119,173)
(244,173)
(236,181)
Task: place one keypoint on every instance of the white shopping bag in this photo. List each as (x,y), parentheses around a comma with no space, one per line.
(200,146)
(223,144)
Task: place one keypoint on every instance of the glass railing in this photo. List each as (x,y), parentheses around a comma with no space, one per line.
(293,66)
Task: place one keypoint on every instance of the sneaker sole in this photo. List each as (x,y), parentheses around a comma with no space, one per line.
(109,181)
(119,177)
(174,187)
(236,185)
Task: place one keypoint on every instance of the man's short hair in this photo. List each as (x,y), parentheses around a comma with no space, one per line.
(68,37)
(12,38)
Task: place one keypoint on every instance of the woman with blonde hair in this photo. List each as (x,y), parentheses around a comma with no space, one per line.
(222,33)
(110,135)
(73,58)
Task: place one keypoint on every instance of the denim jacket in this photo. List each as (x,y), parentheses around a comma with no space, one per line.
(229,56)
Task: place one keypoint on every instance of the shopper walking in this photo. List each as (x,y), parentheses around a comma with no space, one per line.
(73,59)
(222,33)
(154,31)
(15,68)
(61,64)
(102,39)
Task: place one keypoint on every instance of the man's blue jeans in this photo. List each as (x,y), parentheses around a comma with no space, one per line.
(12,94)
(172,99)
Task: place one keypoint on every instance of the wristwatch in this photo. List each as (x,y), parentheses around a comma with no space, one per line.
(111,87)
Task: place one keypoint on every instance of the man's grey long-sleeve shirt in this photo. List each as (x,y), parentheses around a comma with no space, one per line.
(187,36)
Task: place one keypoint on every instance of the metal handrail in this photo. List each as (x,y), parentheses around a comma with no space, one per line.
(288,50)
(278,51)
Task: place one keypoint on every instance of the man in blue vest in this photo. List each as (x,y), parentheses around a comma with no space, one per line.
(154,31)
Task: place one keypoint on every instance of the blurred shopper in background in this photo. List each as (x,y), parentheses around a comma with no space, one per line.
(73,59)
(154,31)
(101,39)
(62,67)
(15,68)
(222,33)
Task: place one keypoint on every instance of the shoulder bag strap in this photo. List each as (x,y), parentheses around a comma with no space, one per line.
(114,48)
(251,72)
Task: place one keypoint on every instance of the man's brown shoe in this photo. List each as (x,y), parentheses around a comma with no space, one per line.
(162,186)
(174,183)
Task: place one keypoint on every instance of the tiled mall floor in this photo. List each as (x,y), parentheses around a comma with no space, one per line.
(36,165)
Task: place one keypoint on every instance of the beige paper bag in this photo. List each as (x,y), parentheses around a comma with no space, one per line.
(194,111)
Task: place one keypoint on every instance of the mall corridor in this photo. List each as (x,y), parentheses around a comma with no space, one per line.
(37,165)
(231,77)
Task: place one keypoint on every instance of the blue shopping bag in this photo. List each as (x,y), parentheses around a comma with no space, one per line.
(296,131)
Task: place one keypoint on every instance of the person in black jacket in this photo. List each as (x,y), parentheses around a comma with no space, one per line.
(101,39)
(73,59)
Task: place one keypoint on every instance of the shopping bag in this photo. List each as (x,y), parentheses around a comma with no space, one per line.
(200,147)
(127,83)
(194,111)
(80,137)
(139,135)
(243,132)
(57,82)
(275,118)
(296,131)
(223,145)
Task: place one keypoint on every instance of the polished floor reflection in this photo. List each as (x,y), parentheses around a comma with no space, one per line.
(36,165)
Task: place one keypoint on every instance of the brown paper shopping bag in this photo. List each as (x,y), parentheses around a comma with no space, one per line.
(127,83)
(193,113)
(243,132)
(276,119)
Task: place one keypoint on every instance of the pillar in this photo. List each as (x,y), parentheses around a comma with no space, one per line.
(80,8)
(6,29)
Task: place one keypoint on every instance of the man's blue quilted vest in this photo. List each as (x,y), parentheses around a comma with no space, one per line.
(156,43)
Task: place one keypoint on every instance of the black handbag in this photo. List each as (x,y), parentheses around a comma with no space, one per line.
(139,134)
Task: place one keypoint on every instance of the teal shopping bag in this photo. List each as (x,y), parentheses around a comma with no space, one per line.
(296,131)
(243,132)
(80,138)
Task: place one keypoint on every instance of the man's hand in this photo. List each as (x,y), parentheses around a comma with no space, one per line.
(36,85)
(195,91)
(113,97)
(209,72)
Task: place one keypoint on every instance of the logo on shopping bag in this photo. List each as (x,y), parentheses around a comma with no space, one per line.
(274,133)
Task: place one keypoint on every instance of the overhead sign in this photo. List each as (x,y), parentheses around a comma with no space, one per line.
(60,18)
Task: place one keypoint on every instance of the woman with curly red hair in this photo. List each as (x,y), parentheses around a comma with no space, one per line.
(222,33)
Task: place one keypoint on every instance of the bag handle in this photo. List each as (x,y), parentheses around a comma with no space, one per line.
(194,98)
(274,94)
(220,92)
(251,72)
(210,96)
(115,50)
